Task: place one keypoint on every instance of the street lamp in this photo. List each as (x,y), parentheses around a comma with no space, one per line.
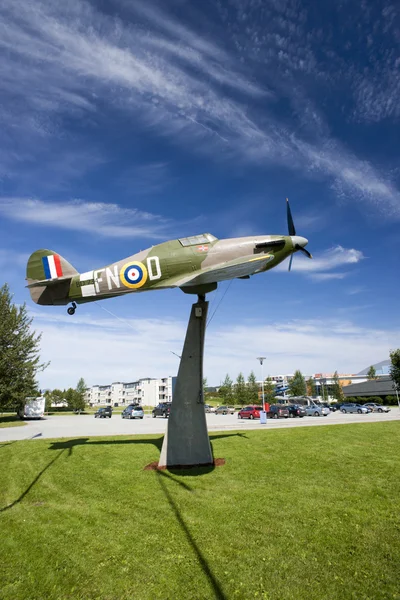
(261,359)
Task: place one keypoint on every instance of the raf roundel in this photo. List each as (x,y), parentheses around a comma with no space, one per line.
(133,275)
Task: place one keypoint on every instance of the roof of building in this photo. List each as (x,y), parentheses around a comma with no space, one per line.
(378,366)
(378,387)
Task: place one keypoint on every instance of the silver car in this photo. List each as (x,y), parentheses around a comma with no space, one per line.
(354,408)
(377,407)
(133,412)
(314,410)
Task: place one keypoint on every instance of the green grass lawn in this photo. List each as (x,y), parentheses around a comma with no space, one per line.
(307,513)
(7,420)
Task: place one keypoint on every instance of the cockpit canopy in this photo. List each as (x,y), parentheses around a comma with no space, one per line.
(194,240)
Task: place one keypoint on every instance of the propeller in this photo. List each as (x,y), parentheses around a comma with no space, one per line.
(298,241)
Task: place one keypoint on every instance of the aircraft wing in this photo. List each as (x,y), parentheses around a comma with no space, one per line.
(239,267)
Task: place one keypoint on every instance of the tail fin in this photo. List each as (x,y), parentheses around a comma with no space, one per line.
(49,275)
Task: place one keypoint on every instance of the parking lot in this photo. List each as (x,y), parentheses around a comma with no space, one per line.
(86,425)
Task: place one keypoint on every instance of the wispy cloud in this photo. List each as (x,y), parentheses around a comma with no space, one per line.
(320,268)
(177,82)
(108,220)
(328,260)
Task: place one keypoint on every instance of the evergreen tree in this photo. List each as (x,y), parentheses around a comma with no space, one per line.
(337,391)
(269,391)
(371,375)
(395,368)
(19,353)
(240,390)
(252,389)
(311,387)
(297,385)
(226,390)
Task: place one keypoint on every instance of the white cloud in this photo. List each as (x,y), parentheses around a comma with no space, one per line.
(108,220)
(327,276)
(107,349)
(330,259)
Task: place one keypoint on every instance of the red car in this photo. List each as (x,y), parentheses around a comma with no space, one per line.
(250,412)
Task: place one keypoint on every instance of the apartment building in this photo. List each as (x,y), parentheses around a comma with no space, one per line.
(146,391)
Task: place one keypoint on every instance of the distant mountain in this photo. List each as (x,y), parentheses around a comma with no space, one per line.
(381,368)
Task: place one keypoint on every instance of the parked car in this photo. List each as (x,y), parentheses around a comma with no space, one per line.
(209,409)
(133,411)
(296,410)
(354,408)
(250,412)
(380,408)
(277,411)
(317,410)
(162,410)
(103,412)
(225,410)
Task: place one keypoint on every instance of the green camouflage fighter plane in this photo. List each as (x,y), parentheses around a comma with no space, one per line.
(194,264)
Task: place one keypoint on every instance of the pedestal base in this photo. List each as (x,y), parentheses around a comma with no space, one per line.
(186,442)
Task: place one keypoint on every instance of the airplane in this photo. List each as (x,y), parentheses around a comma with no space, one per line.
(195,264)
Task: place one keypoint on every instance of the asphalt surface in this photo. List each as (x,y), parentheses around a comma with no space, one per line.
(86,425)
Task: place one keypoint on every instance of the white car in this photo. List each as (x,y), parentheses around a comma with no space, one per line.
(377,407)
(209,409)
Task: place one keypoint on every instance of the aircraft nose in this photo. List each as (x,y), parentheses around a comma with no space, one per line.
(300,241)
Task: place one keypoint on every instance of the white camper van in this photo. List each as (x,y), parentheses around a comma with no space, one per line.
(33,409)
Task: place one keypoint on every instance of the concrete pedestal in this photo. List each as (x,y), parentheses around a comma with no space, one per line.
(186,441)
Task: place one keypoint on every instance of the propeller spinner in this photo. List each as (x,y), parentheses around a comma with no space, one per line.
(299,242)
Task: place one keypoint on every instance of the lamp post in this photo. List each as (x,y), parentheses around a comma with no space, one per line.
(261,359)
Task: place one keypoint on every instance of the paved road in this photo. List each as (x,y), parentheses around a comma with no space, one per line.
(86,425)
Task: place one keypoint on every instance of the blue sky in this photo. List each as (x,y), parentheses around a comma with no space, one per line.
(126,123)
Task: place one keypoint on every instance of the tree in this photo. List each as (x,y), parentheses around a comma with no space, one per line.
(226,390)
(76,397)
(337,391)
(297,385)
(311,387)
(19,353)
(371,373)
(53,397)
(269,391)
(252,389)
(240,390)
(204,383)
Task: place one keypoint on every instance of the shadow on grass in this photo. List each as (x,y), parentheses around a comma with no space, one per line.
(30,486)
(157,442)
(9,419)
(71,444)
(202,561)
(8,444)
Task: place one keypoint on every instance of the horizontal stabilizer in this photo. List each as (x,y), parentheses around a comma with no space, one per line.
(47,282)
